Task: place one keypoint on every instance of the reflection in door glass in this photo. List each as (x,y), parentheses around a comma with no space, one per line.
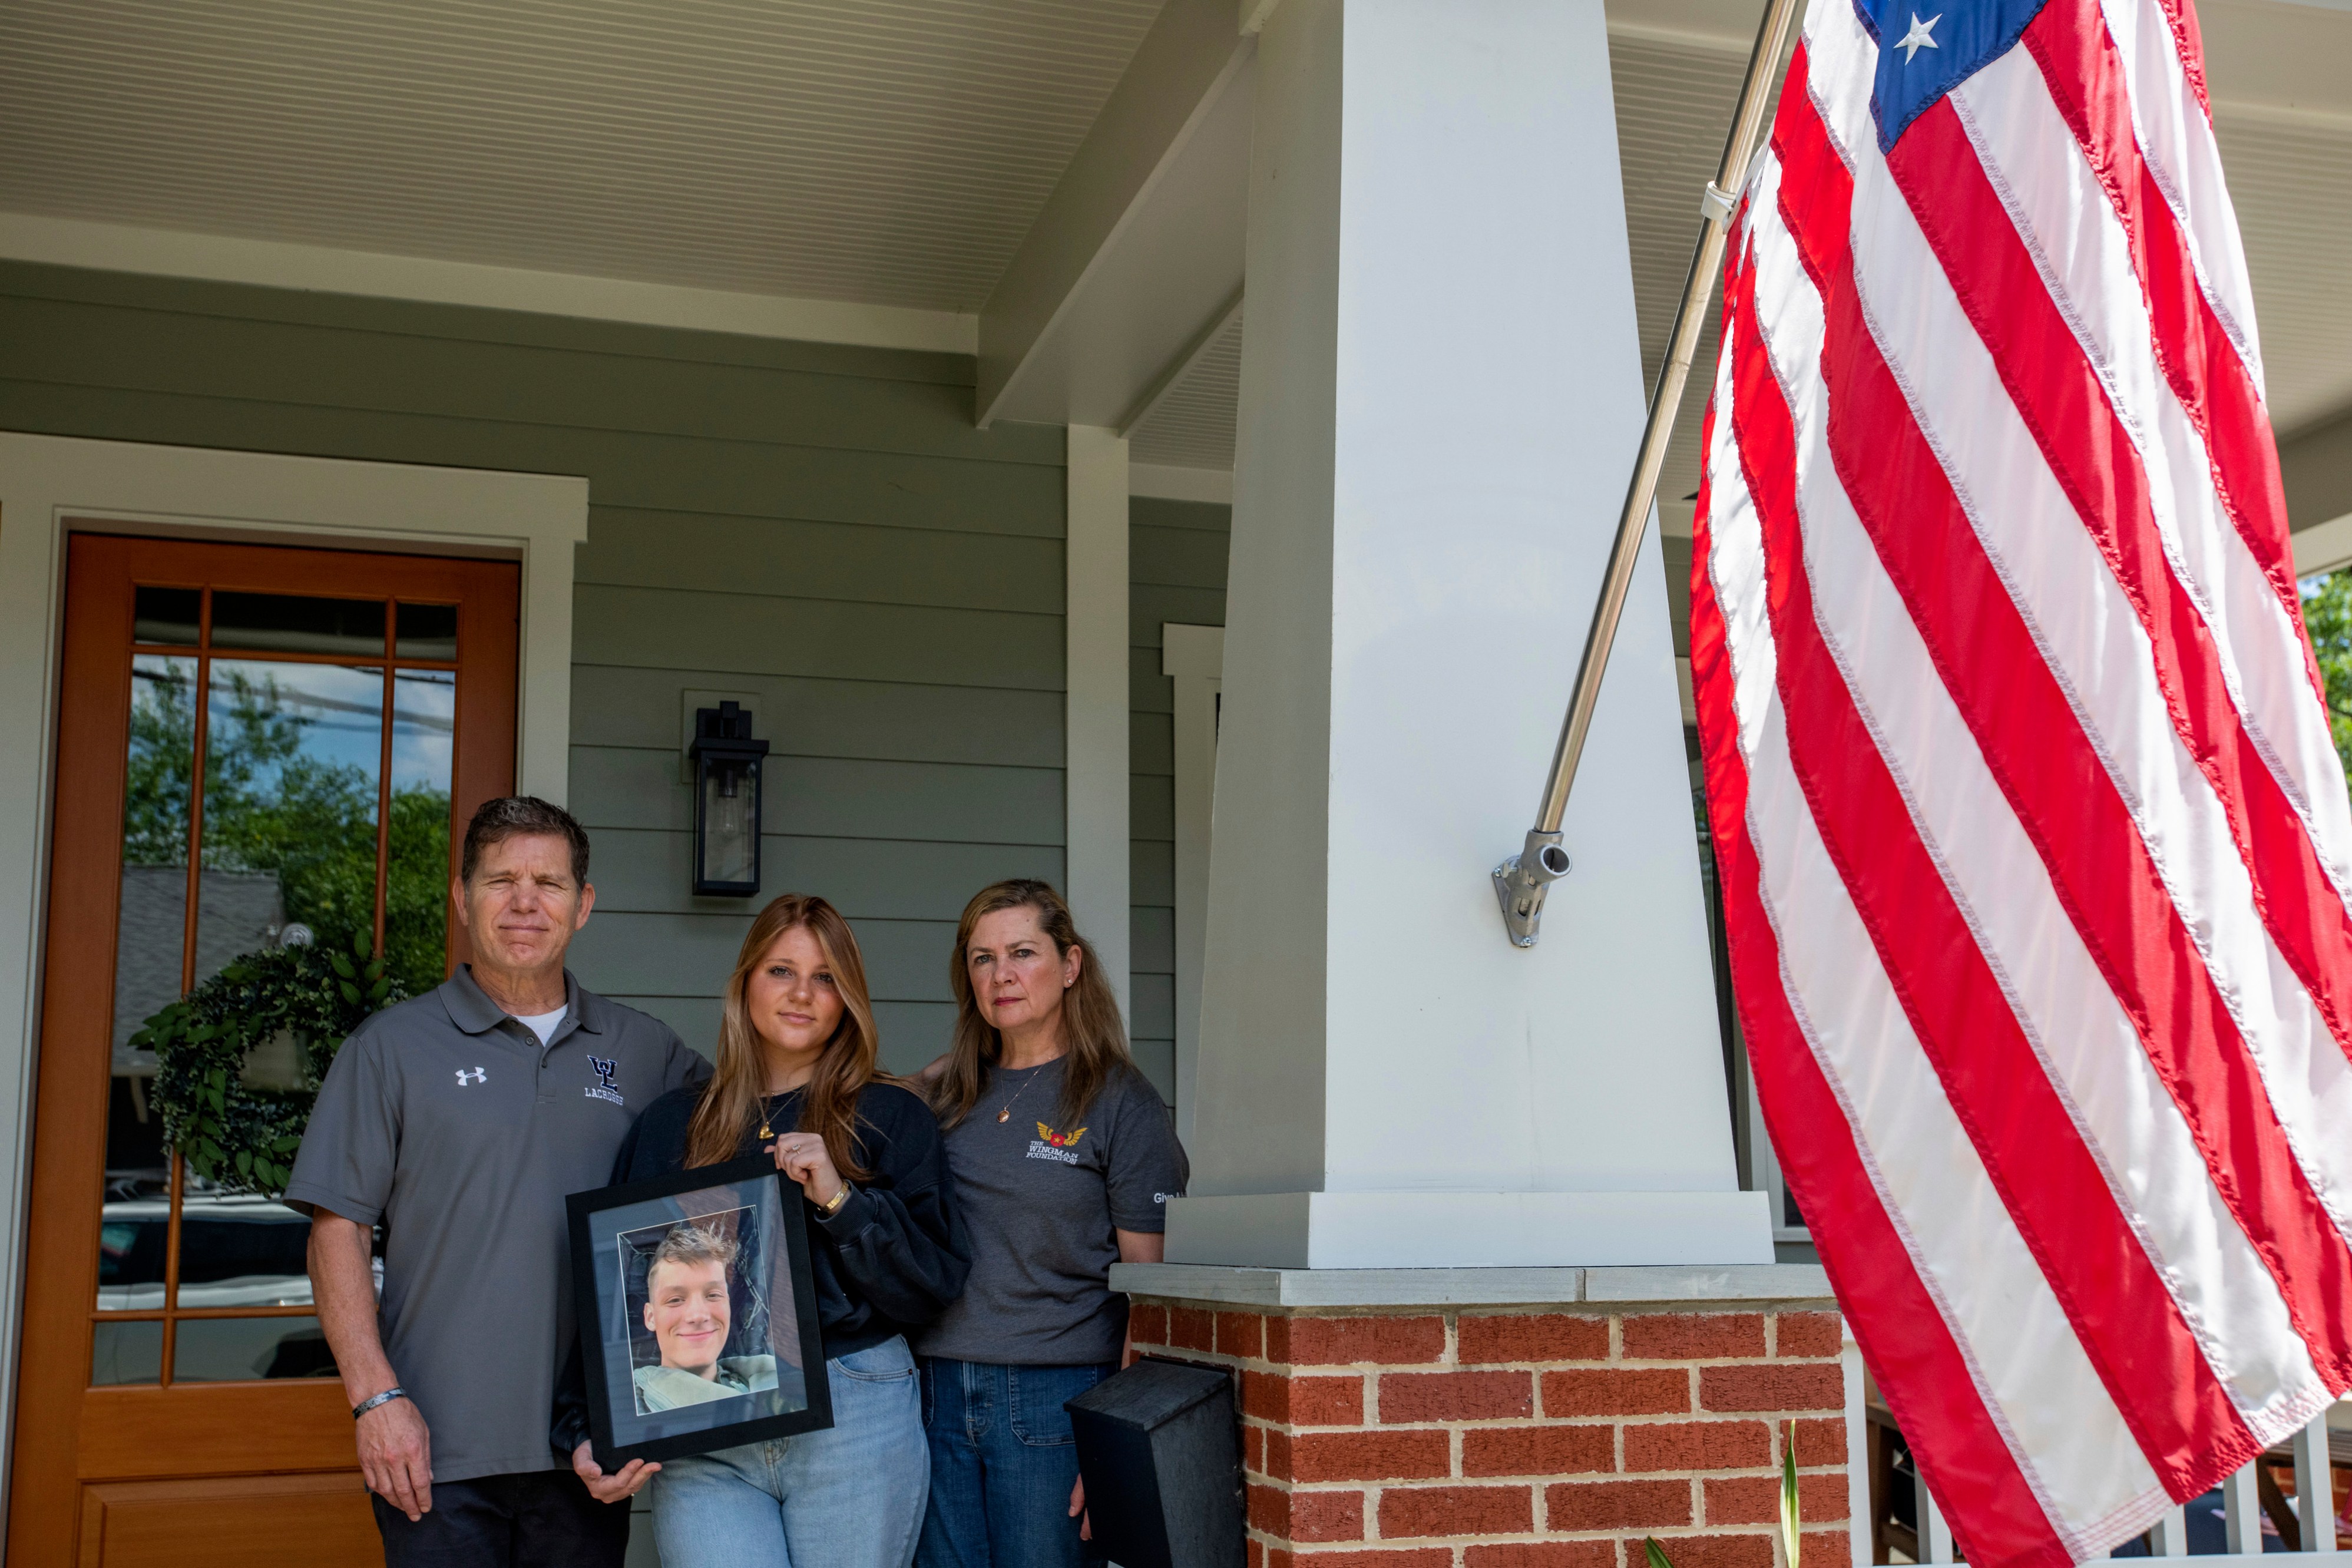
(292,753)
(168,616)
(416,901)
(151,927)
(234,1251)
(126,1353)
(425,631)
(298,622)
(236,1350)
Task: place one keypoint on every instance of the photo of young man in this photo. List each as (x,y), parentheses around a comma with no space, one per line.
(688,1312)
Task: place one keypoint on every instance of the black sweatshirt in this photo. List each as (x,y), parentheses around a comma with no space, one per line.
(889,1263)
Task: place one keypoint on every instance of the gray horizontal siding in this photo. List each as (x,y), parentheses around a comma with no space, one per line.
(261,361)
(879,720)
(655,472)
(1176,572)
(630,547)
(639,871)
(821,526)
(664,628)
(472,324)
(832,797)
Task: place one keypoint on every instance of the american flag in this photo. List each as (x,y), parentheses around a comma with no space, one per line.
(2036,852)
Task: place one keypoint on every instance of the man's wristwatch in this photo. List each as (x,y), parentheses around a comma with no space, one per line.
(373,1400)
(840,1199)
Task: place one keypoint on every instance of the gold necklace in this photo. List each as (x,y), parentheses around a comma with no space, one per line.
(1006,1114)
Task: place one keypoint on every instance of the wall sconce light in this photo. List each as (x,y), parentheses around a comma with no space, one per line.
(726,766)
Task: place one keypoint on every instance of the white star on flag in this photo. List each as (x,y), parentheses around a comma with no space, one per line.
(1918,38)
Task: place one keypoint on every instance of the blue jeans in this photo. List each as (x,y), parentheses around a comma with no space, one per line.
(848,1497)
(1002,1463)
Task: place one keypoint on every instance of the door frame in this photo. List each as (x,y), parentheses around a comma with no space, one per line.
(51,485)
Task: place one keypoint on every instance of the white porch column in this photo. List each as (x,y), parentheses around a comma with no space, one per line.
(1439,400)
(1095,759)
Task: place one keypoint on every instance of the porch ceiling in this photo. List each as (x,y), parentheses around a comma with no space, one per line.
(897,153)
(2283,117)
(883,151)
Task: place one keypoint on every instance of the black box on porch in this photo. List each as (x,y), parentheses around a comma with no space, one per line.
(1159,1449)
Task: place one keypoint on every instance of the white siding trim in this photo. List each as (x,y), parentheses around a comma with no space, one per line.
(1194,659)
(1096,785)
(1164,483)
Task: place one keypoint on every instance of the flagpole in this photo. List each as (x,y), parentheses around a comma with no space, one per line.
(1520,881)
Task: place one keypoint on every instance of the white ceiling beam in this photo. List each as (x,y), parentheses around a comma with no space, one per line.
(1083,242)
(279,264)
(1166,482)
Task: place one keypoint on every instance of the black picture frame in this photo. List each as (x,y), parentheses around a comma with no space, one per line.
(747,1223)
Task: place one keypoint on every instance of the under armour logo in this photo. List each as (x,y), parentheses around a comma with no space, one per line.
(476,1076)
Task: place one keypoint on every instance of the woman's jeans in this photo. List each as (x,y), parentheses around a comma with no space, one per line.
(1002,1463)
(849,1497)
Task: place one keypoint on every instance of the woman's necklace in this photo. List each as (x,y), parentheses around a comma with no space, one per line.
(1006,1114)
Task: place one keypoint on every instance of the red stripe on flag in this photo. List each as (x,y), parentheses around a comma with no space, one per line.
(2069,41)
(2060,396)
(2127,1321)
(1921,1373)
(2047,770)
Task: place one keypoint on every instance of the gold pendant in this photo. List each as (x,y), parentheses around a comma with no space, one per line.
(764,1129)
(1005,1114)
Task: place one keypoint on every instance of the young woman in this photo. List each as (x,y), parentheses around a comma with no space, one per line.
(797,1076)
(1064,1158)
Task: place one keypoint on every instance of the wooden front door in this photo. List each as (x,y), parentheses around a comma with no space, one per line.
(250,739)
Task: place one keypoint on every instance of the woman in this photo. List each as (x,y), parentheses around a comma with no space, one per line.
(1064,1160)
(797,1076)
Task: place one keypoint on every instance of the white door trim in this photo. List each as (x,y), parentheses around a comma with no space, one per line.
(1195,658)
(258,498)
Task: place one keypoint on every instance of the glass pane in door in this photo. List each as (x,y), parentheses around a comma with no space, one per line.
(238,1349)
(128,1352)
(416,899)
(299,623)
(292,756)
(150,960)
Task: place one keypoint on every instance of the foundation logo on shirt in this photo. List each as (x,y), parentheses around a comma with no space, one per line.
(603,1087)
(1060,1147)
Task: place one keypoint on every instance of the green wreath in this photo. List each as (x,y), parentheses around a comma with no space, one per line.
(238,1060)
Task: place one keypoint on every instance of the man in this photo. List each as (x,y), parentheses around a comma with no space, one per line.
(459,1120)
(688,1312)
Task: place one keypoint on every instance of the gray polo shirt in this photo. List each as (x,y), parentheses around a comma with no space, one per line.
(449,1122)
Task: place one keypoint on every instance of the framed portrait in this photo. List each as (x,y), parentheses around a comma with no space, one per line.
(697,1316)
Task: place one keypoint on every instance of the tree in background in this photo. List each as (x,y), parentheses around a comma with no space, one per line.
(273,806)
(2327,614)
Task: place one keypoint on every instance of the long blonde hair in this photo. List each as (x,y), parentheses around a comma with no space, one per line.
(732,1100)
(1090,1019)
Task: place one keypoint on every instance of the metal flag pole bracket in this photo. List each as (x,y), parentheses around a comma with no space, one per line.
(1521,881)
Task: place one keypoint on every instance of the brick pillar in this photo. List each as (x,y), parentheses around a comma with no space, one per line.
(1554,1438)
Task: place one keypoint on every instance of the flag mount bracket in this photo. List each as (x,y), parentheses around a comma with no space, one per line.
(1520,883)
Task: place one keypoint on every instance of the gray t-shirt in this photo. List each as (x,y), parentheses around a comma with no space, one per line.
(1042,1202)
(449,1122)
